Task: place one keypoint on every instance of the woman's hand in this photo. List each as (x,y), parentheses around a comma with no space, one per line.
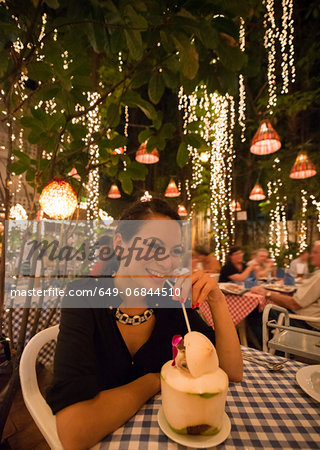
(199,286)
(205,287)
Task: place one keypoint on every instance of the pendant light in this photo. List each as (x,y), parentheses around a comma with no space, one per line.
(172,190)
(58,199)
(114,192)
(182,211)
(257,193)
(266,140)
(235,206)
(303,167)
(142,156)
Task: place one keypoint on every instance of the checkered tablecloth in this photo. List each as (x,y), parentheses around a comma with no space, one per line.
(239,306)
(267,410)
(47,352)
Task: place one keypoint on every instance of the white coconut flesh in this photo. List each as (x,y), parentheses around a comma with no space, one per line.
(200,354)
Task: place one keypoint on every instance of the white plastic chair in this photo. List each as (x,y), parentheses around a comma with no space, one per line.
(36,404)
(287,338)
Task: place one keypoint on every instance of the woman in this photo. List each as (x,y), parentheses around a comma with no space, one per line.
(235,269)
(105,369)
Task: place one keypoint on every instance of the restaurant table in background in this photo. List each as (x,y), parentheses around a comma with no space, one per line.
(240,306)
(267,410)
(46,354)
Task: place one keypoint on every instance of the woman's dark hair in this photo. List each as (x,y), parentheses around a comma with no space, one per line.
(232,251)
(143,211)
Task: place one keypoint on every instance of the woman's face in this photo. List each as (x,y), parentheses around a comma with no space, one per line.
(237,257)
(153,253)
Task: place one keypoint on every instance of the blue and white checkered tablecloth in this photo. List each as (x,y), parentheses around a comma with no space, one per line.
(46,354)
(267,410)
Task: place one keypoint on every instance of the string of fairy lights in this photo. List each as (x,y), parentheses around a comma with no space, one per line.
(93,125)
(317,205)
(278,232)
(285,36)
(242,88)
(216,115)
(302,235)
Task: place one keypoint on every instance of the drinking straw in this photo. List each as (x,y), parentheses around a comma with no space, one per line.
(184,310)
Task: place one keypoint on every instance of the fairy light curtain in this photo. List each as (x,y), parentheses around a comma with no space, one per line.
(302,234)
(284,37)
(278,231)
(216,114)
(317,205)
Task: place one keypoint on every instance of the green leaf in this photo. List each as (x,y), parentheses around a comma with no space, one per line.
(195,140)
(170,78)
(30,175)
(231,57)
(113,115)
(167,130)
(118,141)
(156,87)
(137,171)
(23,157)
(135,19)
(126,182)
(193,126)
(18,167)
(39,71)
(134,43)
(189,59)
(182,155)
(134,100)
(144,135)
(112,171)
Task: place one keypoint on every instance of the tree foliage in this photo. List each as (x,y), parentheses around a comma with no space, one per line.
(130,54)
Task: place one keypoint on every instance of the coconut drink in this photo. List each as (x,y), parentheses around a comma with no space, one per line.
(193,387)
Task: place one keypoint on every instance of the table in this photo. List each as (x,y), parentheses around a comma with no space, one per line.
(239,306)
(47,352)
(268,410)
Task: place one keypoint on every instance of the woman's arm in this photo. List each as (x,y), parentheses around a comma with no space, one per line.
(83,424)
(243,275)
(228,348)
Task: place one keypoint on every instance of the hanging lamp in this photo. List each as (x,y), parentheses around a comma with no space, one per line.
(257,193)
(182,211)
(266,140)
(235,206)
(172,190)
(146,197)
(142,156)
(58,199)
(114,192)
(118,151)
(303,167)
(73,173)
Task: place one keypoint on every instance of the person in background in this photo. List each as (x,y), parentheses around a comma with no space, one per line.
(265,264)
(206,260)
(235,269)
(306,300)
(299,266)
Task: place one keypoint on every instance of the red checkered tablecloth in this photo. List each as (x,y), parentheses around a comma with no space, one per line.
(239,306)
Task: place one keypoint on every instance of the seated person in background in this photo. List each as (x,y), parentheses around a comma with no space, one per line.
(265,264)
(203,257)
(235,269)
(306,300)
(299,266)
